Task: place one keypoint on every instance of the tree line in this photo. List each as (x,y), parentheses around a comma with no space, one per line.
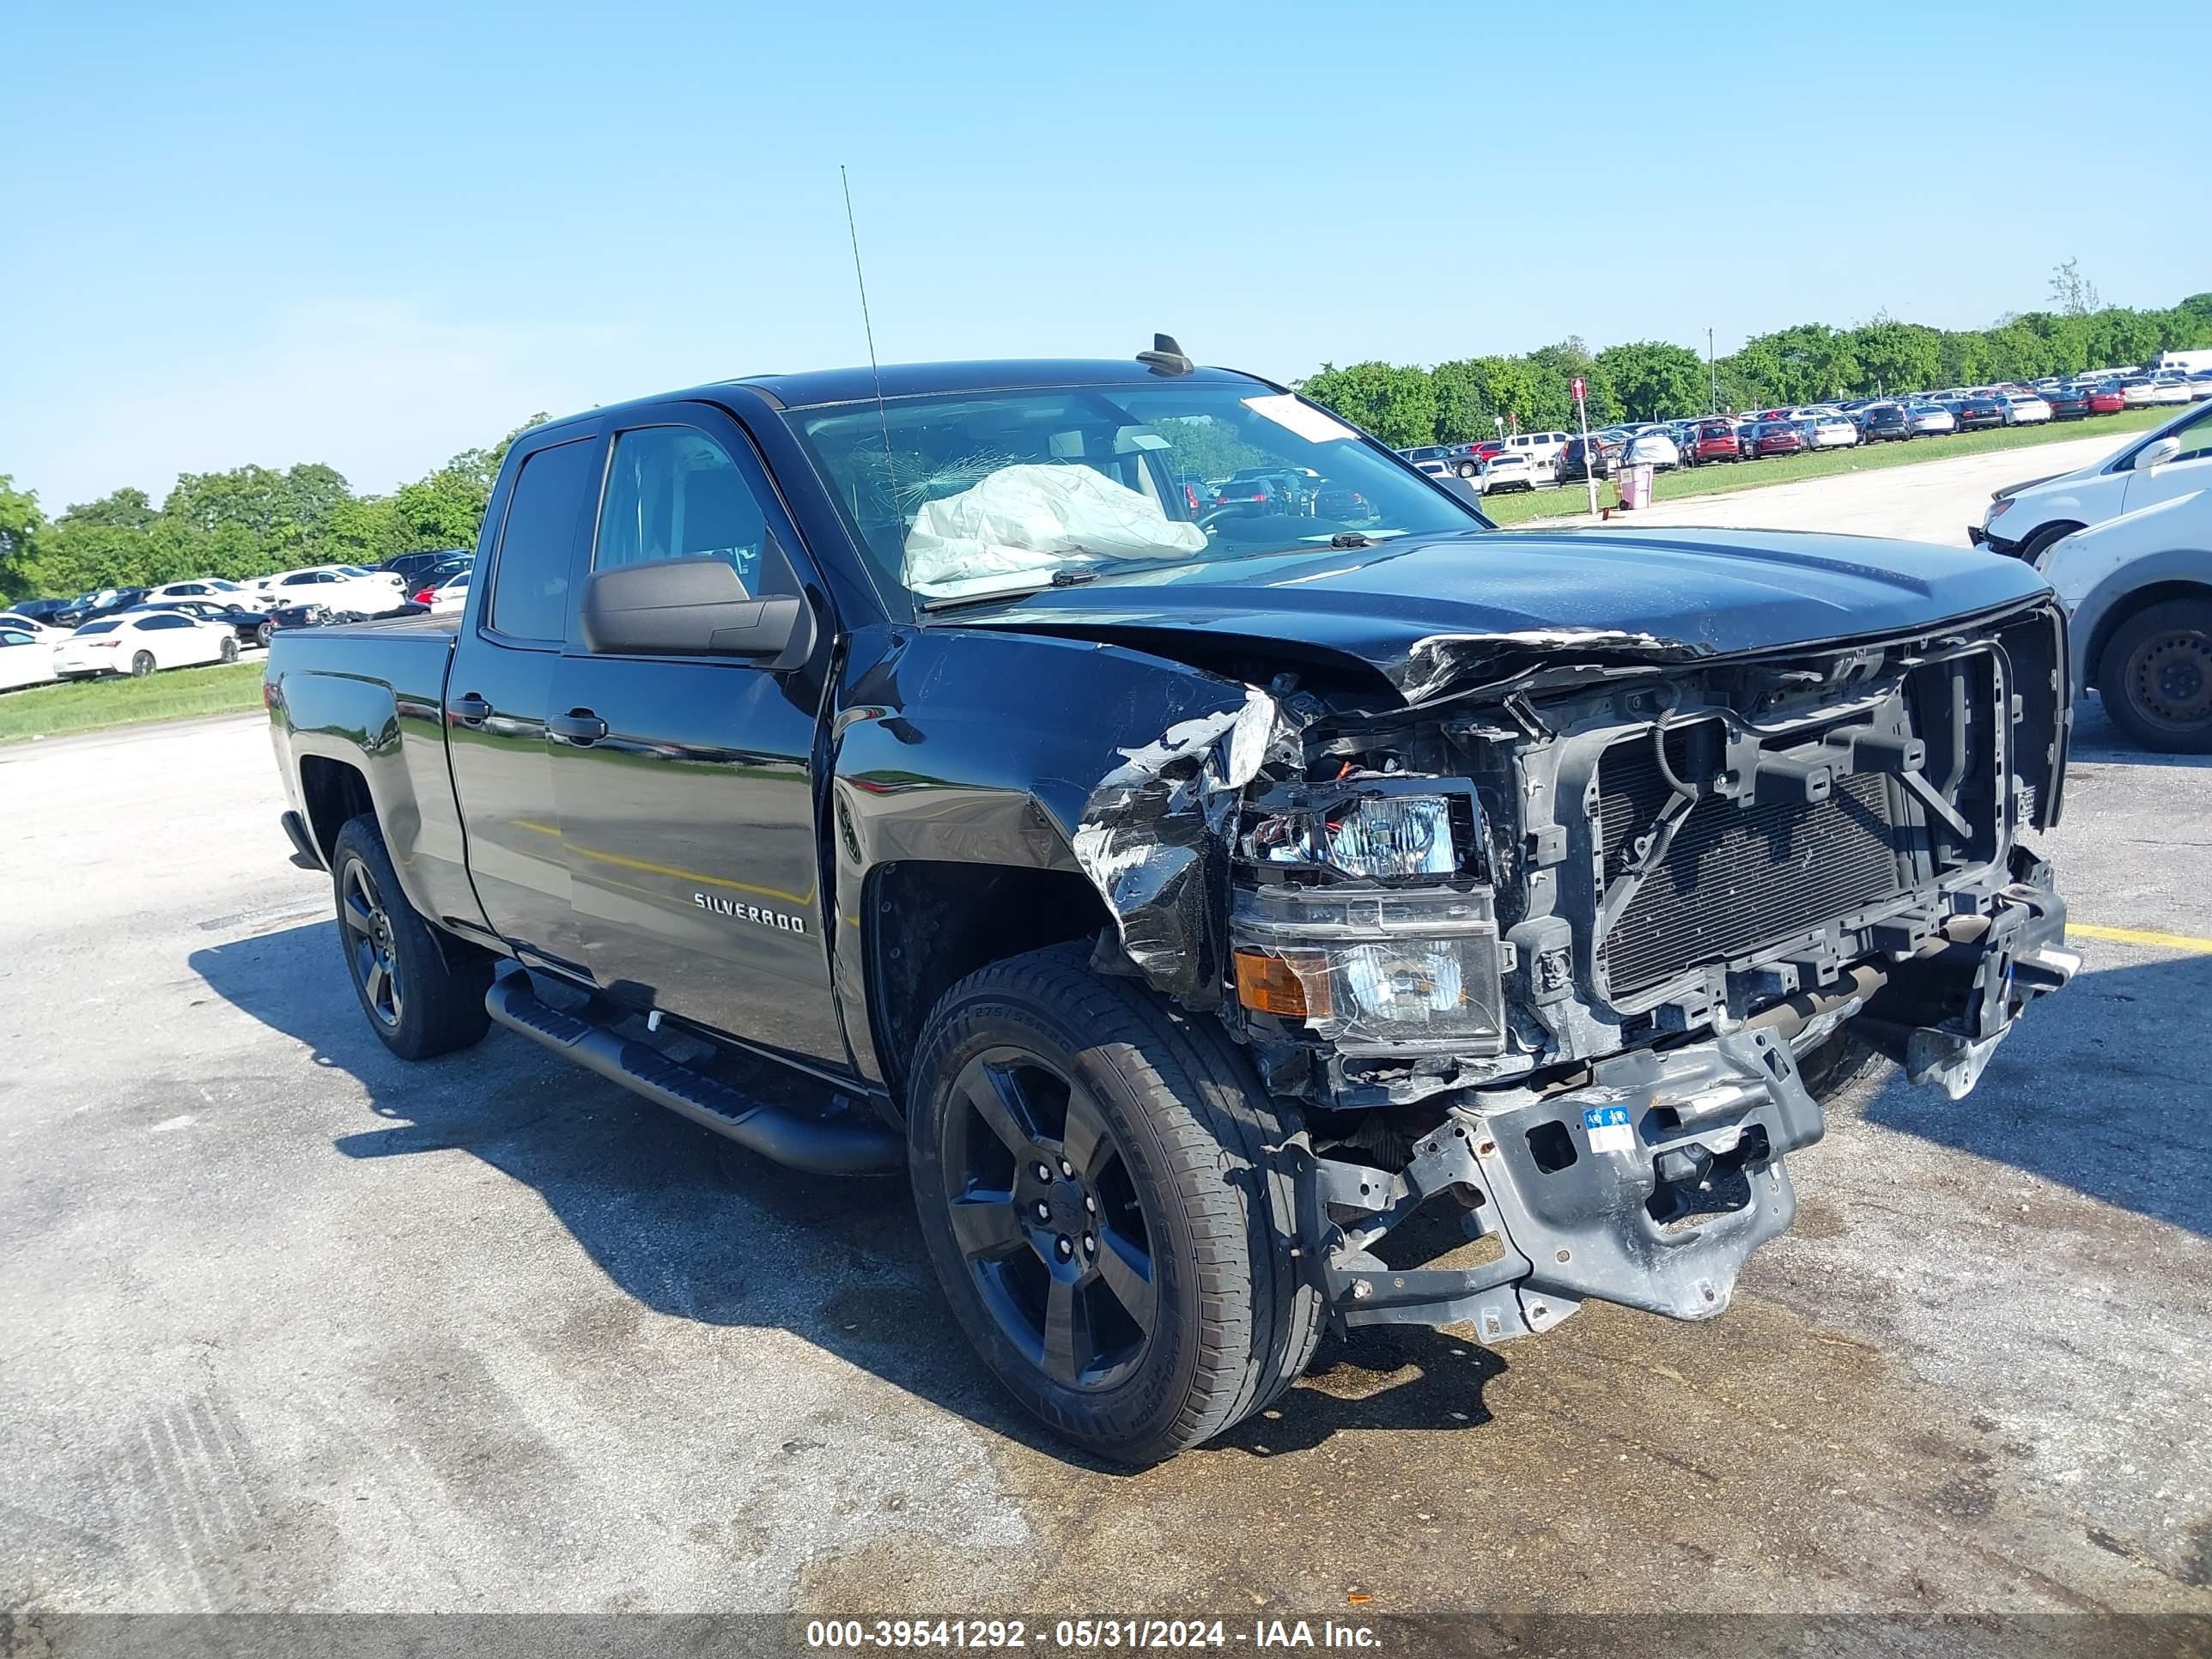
(253,520)
(1460,401)
(245,522)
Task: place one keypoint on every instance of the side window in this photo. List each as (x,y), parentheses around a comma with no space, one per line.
(530,581)
(9,636)
(674,493)
(169,620)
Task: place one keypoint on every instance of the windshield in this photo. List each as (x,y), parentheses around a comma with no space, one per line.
(967,495)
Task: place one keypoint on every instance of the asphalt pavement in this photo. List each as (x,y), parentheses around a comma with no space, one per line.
(287,1324)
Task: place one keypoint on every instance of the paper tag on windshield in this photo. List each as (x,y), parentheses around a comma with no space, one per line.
(1309,423)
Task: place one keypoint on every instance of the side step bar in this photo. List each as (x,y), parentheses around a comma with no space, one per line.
(854,1143)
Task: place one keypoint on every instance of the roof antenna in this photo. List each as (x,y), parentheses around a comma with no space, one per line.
(889,469)
(1166,357)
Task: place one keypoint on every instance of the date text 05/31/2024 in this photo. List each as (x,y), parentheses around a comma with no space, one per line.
(1086,1635)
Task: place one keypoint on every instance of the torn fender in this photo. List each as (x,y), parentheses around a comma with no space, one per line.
(1155,839)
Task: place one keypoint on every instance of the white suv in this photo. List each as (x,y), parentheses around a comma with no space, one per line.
(2173,460)
(1542,449)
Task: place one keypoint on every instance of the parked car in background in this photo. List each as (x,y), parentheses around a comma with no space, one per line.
(1431,468)
(2136,391)
(1652,446)
(337,587)
(1831,431)
(415,570)
(2024,408)
(2172,460)
(140,642)
(2171,386)
(251,626)
(1713,441)
(1781,438)
(1582,459)
(1884,423)
(100,602)
(199,587)
(32,626)
(2138,588)
(26,659)
(2067,402)
(428,581)
(1978,411)
(449,595)
(1508,470)
(1930,419)
(1420,452)
(2105,397)
(45,612)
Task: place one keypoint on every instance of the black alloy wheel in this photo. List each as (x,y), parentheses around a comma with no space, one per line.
(142,665)
(2157,677)
(265,634)
(1048,1221)
(366,926)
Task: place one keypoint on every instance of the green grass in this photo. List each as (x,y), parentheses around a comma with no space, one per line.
(54,711)
(1722,477)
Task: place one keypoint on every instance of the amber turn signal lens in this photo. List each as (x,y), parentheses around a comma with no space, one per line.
(1273,985)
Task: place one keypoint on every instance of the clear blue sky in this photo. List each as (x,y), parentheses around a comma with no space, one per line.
(375,234)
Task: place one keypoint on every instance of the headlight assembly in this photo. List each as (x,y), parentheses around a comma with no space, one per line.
(1368,831)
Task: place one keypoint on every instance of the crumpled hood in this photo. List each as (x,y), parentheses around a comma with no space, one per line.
(1428,613)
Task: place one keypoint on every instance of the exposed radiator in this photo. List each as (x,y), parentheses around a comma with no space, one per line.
(1736,878)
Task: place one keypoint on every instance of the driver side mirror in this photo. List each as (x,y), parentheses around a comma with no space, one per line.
(695,607)
(2157,452)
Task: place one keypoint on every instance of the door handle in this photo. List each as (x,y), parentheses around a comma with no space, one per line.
(471,709)
(578,725)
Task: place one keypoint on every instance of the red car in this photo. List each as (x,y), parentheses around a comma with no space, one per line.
(2107,399)
(1779,438)
(1716,441)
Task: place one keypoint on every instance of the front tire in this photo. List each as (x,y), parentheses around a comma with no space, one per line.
(1101,1187)
(2156,677)
(418,1004)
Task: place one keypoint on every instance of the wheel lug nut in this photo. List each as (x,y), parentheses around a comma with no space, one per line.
(1067,1168)
(1090,1205)
(1044,1211)
(1090,1244)
(1044,1172)
(1064,1247)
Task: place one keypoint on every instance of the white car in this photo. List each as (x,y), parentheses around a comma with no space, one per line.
(2170,387)
(42,632)
(2168,460)
(200,588)
(2024,409)
(1931,419)
(25,659)
(337,587)
(1432,468)
(1831,432)
(137,642)
(2138,589)
(451,594)
(1509,468)
(1651,448)
(2136,391)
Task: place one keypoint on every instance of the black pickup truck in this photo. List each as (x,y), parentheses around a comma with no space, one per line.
(1239,922)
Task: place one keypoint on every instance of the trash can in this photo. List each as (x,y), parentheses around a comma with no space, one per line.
(1634,483)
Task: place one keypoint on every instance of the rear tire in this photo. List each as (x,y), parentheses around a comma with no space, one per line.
(2156,677)
(142,665)
(419,1005)
(230,649)
(1037,1062)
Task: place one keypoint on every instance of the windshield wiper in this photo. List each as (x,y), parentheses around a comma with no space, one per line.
(1069,578)
(1351,538)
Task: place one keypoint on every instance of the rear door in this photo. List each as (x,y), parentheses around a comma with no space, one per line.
(687,784)
(500,690)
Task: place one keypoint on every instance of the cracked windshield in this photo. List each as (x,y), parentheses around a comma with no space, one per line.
(960,498)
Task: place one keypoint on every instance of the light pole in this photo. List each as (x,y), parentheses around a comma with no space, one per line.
(1713,378)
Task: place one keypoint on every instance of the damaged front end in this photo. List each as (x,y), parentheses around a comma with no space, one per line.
(1563,958)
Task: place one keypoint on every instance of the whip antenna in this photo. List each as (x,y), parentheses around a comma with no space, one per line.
(882,415)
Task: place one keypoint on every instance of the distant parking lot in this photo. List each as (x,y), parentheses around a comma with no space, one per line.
(291,1325)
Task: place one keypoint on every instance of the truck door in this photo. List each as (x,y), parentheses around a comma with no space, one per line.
(686,784)
(501,688)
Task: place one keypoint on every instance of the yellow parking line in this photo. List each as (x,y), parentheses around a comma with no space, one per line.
(2137,936)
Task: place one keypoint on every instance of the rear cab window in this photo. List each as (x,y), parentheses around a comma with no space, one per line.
(552,491)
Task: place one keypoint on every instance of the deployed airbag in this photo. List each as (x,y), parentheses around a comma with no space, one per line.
(1023,522)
